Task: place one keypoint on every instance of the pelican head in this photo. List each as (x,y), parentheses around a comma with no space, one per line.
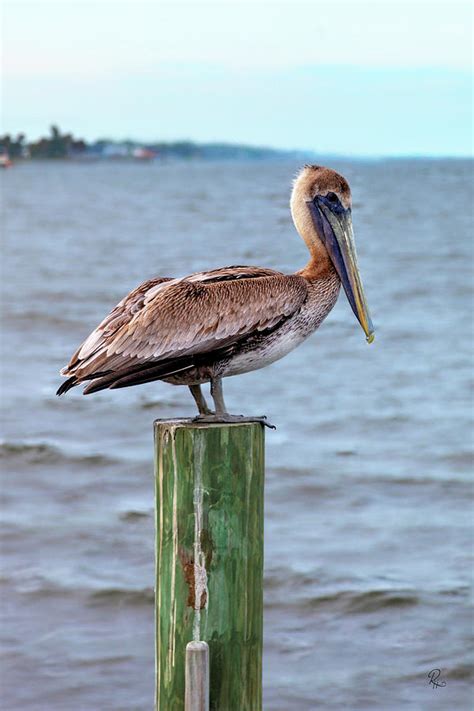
(321,209)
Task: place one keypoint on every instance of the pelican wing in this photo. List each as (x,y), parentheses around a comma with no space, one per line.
(171,321)
(118,317)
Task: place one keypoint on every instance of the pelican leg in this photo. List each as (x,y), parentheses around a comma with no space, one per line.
(217,394)
(221,414)
(200,400)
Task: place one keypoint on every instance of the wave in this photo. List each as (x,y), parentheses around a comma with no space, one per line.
(460,671)
(39,586)
(156,404)
(122,596)
(18,319)
(462,459)
(297,474)
(104,661)
(463,671)
(349,602)
(374,600)
(135,515)
(44,453)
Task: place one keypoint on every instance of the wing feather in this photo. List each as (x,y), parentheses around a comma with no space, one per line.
(120,315)
(172,318)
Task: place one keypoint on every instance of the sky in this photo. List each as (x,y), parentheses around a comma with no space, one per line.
(352,78)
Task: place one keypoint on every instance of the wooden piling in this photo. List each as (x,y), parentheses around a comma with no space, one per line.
(209,560)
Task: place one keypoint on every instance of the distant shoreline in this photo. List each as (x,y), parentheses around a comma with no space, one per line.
(65,146)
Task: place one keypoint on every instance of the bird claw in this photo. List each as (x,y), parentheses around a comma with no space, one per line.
(231,419)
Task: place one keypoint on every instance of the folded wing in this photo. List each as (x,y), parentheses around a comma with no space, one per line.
(161,326)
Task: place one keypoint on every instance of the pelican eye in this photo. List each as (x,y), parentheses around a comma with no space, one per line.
(332,201)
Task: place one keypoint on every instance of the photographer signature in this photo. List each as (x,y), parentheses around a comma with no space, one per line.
(433,677)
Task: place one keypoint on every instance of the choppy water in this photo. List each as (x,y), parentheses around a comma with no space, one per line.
(368,528)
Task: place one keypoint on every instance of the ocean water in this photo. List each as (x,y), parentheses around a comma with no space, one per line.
(368,496)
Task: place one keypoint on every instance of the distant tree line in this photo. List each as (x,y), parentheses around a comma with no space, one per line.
(60,145)
(56,145)
(15,147)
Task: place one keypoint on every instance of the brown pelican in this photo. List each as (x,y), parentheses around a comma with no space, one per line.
(210,325)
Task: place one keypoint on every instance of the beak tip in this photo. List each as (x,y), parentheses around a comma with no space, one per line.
(371,338)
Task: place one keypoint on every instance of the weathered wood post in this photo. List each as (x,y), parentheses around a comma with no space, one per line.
(209,563)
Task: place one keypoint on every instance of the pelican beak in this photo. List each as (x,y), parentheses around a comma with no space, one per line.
(334,226)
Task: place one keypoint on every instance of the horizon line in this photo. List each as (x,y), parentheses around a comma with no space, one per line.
(256,146)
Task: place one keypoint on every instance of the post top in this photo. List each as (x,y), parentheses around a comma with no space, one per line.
(192,423)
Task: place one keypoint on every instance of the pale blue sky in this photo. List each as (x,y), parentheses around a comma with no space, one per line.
(360,78)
